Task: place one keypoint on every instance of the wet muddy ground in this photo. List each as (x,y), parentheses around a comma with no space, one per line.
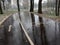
(16,37)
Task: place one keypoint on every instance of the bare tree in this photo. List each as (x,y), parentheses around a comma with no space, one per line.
(31,5)
(42,28)
(18,8)
(3,4)
(1,11)
(40,7)
(33,18)
(58,7)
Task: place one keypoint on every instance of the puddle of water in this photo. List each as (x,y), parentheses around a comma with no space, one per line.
(52,29)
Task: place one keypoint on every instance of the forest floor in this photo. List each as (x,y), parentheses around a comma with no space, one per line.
(2,16)
(53,17)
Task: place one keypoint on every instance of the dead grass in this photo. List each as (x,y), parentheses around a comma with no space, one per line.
(2,16)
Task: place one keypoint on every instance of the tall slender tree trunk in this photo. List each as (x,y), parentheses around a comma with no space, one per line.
(3,5)
(18,6)
(1,11)
(56,8)
(33,18)
(31,5)
(42,28)
(18,9)
(40,7)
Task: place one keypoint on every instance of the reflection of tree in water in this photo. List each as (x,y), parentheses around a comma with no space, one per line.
(33,24)
(43,32)
(42,28)
(32,18)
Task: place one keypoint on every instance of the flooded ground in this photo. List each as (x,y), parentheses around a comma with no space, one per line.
(15,37)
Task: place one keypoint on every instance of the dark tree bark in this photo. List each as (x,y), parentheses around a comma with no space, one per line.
(18,8)
(31,5)
(1,11)
(3,5)
(42,28)
(33,18)
(40,7)
(58,7)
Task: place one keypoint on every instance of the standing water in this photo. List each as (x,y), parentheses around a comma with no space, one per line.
(15,37)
